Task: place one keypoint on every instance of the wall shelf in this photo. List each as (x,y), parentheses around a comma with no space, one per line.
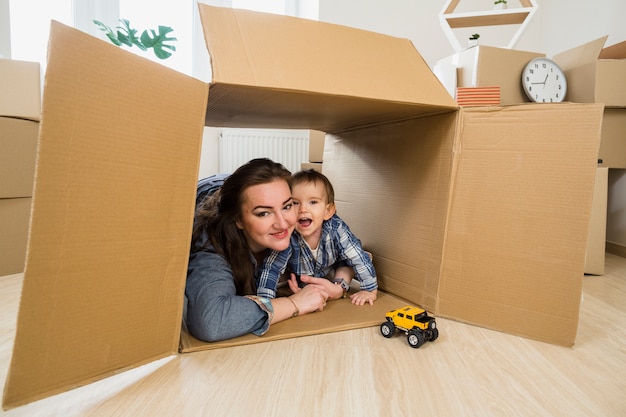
(450,19)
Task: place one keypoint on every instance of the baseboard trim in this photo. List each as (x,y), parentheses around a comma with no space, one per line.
(616,249)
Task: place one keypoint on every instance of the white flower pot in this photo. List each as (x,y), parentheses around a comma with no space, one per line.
(499,6)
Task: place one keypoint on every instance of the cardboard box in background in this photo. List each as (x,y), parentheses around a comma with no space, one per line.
(467,213)
(14,219)
(612,152)
(316,145)
(18,151)
(20,89)
(595,75)
(483,66)
(596,243)
(20,111)
(311,165)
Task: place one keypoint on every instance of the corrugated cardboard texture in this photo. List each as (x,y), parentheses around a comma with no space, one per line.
(320,76)
(338,315)
(519,218)
(490,229)
(20,91)
(18,149)
(392,186)
(112,212)
(14,218)
(596,243)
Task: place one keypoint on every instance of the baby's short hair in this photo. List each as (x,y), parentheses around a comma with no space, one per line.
(313,176)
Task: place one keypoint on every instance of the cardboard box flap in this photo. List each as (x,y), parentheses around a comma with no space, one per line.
(111,221)
(617,51)
(531,192)
(581,55)
(592,79)
(302,66)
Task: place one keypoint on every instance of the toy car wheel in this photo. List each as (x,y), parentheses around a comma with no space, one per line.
(434,334)
(415,338)
(387,329)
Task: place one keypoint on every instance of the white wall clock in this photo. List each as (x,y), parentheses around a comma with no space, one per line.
(544,81)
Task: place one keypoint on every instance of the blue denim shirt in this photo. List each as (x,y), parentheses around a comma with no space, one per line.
(213,310)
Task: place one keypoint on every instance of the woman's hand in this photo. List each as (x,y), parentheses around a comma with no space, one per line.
(310,298)
(334,291)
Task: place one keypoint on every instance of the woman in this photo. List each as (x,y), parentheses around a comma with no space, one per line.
(234,229)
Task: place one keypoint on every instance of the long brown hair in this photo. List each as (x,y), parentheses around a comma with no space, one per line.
(217,216)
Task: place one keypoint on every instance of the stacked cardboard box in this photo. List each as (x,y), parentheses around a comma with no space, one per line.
(594,75)
(316,150)
(477,214)
(597,75)
(20,105)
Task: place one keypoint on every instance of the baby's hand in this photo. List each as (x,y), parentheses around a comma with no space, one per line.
(362,297)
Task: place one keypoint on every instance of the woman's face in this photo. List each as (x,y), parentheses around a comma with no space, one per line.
(267,216)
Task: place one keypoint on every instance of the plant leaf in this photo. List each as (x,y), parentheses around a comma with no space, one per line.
(157,41)
(108,32)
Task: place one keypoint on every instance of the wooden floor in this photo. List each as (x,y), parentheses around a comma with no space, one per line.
(468,371)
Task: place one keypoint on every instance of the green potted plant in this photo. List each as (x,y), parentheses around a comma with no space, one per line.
(473,40)
(125,35)
(499,4)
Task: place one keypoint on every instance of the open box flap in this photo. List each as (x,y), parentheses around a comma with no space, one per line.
(580,55)
(111,219)
(617,51)
(515,245)
(322,76)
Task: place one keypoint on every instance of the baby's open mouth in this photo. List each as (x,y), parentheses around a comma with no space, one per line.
(305,222)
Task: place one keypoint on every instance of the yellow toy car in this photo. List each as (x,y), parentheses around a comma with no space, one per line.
(414,321)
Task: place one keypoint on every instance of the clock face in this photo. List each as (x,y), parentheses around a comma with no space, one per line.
(543,81)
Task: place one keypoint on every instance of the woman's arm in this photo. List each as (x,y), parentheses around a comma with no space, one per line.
(214,310)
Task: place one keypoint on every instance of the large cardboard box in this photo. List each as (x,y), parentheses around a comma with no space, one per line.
(14,218)
(475,210)
(20,89)
(596,243)
(485,66)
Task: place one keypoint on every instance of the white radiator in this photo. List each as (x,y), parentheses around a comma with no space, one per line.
(238,146)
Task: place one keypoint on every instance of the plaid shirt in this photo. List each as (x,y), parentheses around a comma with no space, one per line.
(337,244)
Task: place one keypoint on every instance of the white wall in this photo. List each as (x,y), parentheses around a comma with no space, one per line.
(5,30)
(557,25)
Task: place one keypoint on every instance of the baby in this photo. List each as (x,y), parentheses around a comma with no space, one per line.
(320,242)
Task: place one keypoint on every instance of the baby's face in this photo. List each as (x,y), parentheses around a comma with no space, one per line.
(312,207)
